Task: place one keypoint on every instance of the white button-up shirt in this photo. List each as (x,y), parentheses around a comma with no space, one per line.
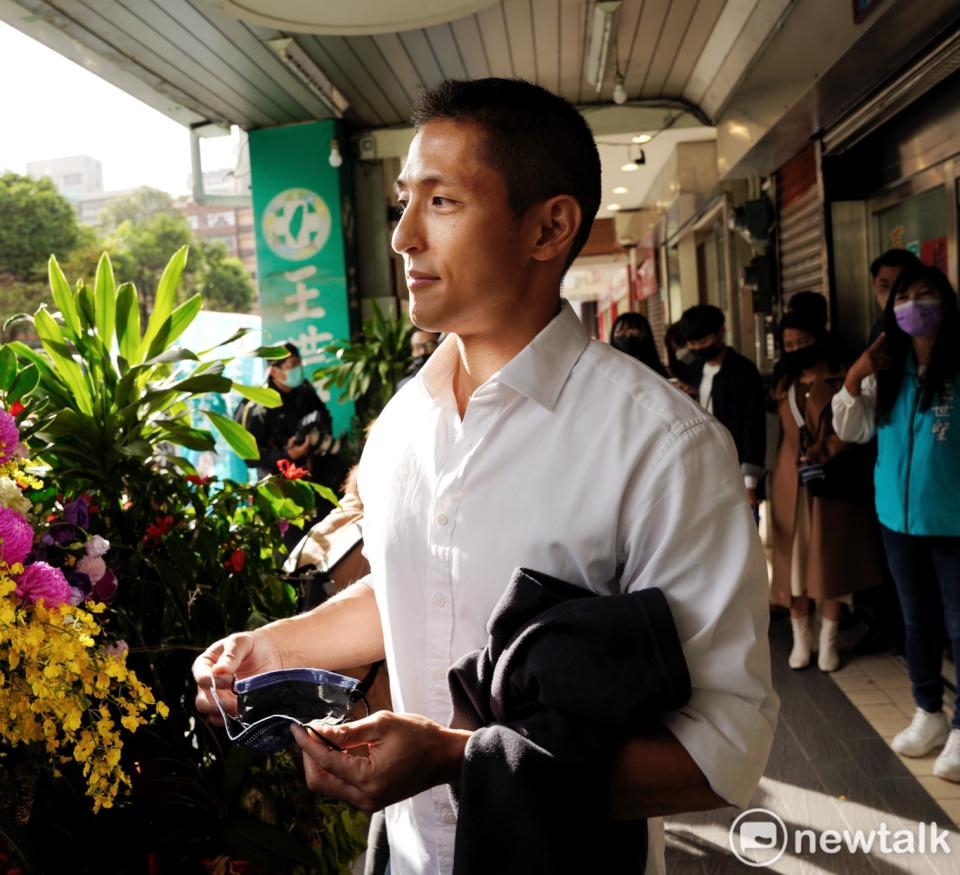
(577,461)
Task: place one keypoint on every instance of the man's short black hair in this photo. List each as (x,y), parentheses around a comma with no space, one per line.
(809,304)
(700,321)
(536,140)
(902,258)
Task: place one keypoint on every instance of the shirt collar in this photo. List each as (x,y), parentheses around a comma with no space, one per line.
(541,368)
(539,371)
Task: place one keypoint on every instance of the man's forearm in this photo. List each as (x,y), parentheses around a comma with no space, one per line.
(343,632)
(653,775)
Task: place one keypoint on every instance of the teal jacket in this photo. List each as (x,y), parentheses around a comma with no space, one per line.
(917,476)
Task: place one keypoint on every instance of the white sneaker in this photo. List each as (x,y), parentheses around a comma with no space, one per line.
(947,765)
(925,732)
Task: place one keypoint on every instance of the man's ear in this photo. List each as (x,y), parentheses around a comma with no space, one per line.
(557,221)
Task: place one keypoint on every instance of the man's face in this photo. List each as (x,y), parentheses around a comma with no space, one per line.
(716,339)
(883,282)
(280,372)
(463,255)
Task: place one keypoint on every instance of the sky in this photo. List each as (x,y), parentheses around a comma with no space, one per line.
(58,109)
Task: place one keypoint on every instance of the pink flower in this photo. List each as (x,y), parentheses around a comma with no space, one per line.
(9,437)
(42,581)
(97,546)
(93,566)
(118,649)
(16,535)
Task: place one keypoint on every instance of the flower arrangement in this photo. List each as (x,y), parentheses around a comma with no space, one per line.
(61,687)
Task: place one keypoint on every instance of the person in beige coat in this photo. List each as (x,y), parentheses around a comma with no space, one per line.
(824,548)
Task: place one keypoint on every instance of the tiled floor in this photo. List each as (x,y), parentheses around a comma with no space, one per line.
(831,768)
(879,688)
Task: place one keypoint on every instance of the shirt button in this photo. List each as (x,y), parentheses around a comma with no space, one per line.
(439,600)
(442,519)
(449,817)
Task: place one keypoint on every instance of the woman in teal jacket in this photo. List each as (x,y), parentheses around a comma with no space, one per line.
(906,389)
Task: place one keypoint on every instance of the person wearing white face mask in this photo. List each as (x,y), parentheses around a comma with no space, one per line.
(293,430)
(904,389)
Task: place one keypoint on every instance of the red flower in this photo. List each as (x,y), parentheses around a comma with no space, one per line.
(289,470)
(197,480)
(236,561)
(16,408)
(158,528)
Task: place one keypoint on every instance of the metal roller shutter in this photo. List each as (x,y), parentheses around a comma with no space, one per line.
(800,229)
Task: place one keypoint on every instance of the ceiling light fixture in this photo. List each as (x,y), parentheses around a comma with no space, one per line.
(335,159)
(613,207)
(621,189)
(619,92)
(307,70)
(640,139)
(630,166)
(601,33)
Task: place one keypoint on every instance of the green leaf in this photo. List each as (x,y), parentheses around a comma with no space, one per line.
(10,321)
(259,394)
(24,383)
(203,383)
(324,492)
(105,296)
(166,293)
(170,356)
(128,323)
(191,438)
(87,307)
(8,367)
(270,352)
(136,449)
(240,440)
(240,332)
(67,369)
(63,296)
(178,322)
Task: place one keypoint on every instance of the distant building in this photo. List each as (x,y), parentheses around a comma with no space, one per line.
(73,177)
(231,226)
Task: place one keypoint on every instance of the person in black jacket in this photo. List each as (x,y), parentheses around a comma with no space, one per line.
(299,430)
(730,387)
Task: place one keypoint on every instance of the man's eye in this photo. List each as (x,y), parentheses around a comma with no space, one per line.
(441,201)
(401,205)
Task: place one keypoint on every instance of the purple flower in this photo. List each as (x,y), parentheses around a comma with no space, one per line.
(60,534)
(80,582)
(106,587)
(97,546)
(283,525)
(16,536)
(42,581)
(119,649)
(77,512)
(9,437)
(93,566)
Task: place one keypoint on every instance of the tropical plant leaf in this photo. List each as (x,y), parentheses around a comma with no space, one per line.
(128,323)
(166,294)
(191,438)
(240,440)
(105,296)
(178,322)
(259,394)
(8,367)
(23,384)
(53,342)
(63,296)
(270,352)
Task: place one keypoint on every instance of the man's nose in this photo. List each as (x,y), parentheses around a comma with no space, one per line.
(408,235)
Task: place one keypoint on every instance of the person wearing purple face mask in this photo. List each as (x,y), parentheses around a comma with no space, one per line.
(905,390)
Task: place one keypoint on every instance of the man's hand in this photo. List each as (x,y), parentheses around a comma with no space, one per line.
(242,654)
(405,755)
(297,451)
(871,360)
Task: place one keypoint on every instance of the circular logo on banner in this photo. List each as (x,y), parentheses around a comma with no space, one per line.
(296,224)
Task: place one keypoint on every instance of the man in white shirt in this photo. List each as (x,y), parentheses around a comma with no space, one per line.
(523,443)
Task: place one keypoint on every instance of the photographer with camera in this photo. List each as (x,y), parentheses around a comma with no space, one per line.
(299,430)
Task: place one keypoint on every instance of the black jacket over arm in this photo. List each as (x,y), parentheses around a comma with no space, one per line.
(565,678)
(740,403)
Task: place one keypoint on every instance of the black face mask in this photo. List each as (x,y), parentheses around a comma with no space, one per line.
(632,345)
(802,359)
(707,353)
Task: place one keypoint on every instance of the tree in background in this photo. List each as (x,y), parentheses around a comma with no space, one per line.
(140,205)
(35,222)
(223,281)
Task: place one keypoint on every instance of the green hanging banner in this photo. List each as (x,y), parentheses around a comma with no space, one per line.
(299,207)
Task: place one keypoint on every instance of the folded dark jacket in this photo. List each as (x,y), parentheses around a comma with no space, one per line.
(565,677)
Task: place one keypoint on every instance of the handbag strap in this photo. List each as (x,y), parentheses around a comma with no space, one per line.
(794,407)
